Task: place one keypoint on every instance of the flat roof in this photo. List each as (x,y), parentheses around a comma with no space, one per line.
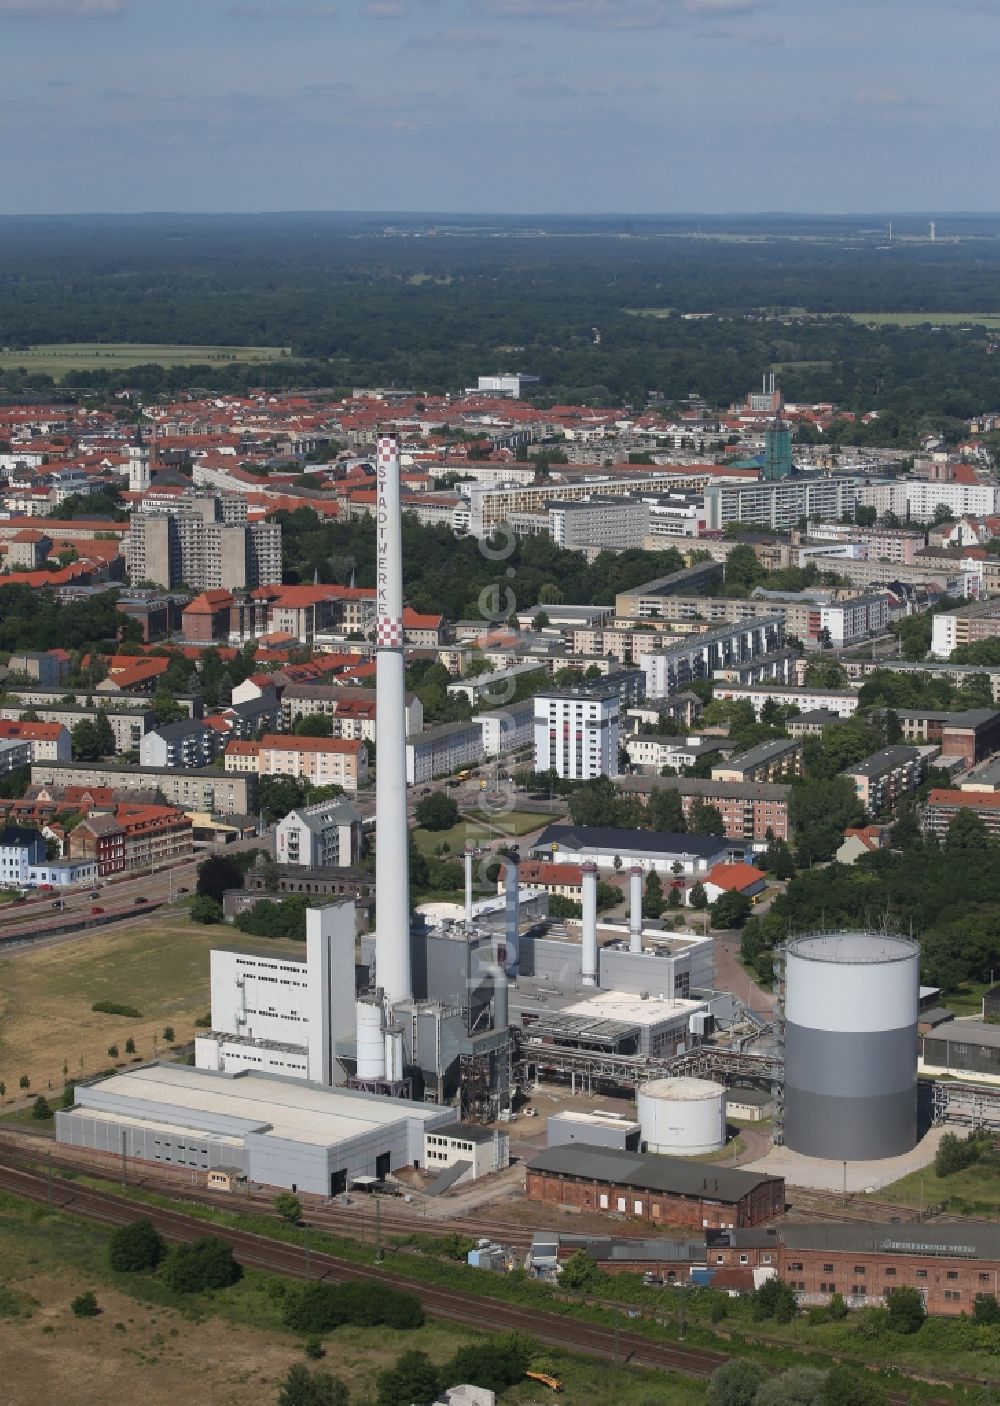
(596,1119)
(852,947)
(622,1006)
(967,1240)
(294,1109)
(967,1032)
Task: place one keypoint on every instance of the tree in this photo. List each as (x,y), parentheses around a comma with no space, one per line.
(112,1052)
(130,1046)
(217,874)
(24,1082)
(846,1386)
(207,1263)
(796,1386)
(735,1383)
(652,899)
(168,1034)
(825,673)
(580,1271)
(665,811)
(135,1247)
(778,860)
(698,898)
(205,910)
(731,910)
(774,1299)
(954,1154)
(414,1378)
(986,1309)
(436,811)
(288,1207)
(706,819)
(967,831)
(304,1388)
(85,743)
(313,725)
(906,1309)
(85,1305)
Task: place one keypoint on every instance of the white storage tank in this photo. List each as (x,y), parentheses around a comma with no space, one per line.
(371,1039)
(682,1117)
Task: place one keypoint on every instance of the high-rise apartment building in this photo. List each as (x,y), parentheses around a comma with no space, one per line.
(576,731)
(203,542)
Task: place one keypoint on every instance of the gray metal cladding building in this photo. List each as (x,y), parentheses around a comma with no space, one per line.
(851,1045)
(280,1132)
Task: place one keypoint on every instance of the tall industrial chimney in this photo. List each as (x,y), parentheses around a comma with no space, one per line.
(588,956)
(392,869)
(513,913)
(635,909)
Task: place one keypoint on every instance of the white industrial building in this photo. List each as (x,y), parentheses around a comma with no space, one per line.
(666,1024)
(464,1152)
(277,1132)
(594,1129)
(576,732)
(325,834)
(616,849)
(282,1015)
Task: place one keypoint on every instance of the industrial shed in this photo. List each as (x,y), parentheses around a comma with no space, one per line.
(280,1132)
(963,1047)
(656,1189)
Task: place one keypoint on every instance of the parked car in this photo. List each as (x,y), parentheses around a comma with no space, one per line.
(94,893)
(182,889)
(140,900)
(96,909)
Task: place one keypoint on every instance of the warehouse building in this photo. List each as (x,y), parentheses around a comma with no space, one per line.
(652,1188)
(963,1047)
(279,1132)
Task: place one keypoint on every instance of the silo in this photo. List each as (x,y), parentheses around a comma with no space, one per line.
(682,1117)
(371,1038)
(851,1045)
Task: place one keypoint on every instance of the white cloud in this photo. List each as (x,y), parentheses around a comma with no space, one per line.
(45,9)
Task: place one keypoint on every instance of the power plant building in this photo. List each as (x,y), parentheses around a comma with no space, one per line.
(277,1131)
(850,1010)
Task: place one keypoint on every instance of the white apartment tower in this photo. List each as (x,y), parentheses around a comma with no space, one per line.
(576,732)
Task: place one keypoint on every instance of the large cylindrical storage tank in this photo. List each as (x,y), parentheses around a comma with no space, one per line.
(851,1045)
(371,1039)
(682,1117)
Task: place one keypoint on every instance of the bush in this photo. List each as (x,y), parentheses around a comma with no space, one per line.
(206,1263)
(986,1309)
(844,1386)
(85,1305)
(838,1308)
(954,1154)
(113,1008)
(316,1307)
(135,1247)
(313,1347)
(414,1378)
(871,1323)
(40,1108)
(495,1364)
(168,1034)
(304,1388)
(906,1309)
(436,812)
(774,1299)
(288,1207)
(206,910)
(735,1383)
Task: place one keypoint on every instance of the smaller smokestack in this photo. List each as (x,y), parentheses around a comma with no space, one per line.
(511,862)
(588,956)
(469,854)
(394,1062)
(635,909)
(501,1017)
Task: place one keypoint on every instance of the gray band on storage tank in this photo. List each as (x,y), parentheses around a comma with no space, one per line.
(821,1062)
(851,1129)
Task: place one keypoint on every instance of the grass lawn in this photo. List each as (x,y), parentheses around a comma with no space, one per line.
(973,1191)
(967,999)
(160,965)
(517,822)
(474,827)
(56,358)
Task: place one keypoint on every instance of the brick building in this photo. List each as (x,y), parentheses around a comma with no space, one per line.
(972,734)
(132,837)
(658,1190)
(950,1264)
(943,804)
(748,808)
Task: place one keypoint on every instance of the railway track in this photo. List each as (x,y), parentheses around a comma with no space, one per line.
(259,1252)
(490,1315)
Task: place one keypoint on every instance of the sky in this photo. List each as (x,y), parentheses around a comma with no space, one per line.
(556,106)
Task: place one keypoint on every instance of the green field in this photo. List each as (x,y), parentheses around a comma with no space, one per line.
(56,358)
(917,319)
(974,1191)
